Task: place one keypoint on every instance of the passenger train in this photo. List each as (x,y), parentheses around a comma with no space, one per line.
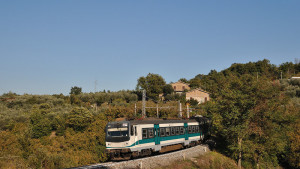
(136,138)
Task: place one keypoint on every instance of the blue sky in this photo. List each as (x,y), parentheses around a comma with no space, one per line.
(46,47)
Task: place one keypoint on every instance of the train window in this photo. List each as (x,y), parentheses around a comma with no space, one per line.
(150,132)
(181,130)
(162,132)
(168,131)
(193,129)
(135,131)
(197,129)
(177,131)
(190,129)
(131,131)
(172,131)
(144,133)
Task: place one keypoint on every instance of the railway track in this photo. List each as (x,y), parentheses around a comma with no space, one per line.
(152,161)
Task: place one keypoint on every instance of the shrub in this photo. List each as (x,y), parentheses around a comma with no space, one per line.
(79,119)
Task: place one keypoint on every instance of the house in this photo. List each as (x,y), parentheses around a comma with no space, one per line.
(180,87)
(198,94)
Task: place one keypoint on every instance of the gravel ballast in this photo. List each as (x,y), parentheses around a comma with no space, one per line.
(155,161)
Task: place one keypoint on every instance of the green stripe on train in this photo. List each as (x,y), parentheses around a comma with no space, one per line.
(152,140)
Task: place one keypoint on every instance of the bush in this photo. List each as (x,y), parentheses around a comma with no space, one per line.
(295,82)
(41,128)
(79,119)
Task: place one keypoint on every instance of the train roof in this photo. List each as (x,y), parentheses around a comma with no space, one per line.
(159,121)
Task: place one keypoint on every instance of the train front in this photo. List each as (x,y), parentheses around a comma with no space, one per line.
(117,140)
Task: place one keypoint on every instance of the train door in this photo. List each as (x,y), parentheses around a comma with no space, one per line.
(157,134)
(186,136)
(135,136)
(132,135)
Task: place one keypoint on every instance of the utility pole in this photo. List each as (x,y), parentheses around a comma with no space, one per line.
(134,109)
(144,104)
(157,110)
(180,110)
(257,76)
(187,111)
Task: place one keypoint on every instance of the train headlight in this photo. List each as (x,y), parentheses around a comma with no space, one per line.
(125,124)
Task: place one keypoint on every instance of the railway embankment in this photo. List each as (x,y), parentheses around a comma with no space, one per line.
(210,160)
(157,161)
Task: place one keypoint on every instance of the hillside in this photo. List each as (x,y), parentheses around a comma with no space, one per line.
(255,114)
(211,160)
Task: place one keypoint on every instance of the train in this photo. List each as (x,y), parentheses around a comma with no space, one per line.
(129,139)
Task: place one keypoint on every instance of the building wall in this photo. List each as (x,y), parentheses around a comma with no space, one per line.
(198,95)
(180,86)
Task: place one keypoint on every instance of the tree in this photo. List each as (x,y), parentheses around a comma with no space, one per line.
(40,124)
(195,83)
(153,84)
(200,76)
(287,68)
(79,119)
(251,119)
(261,68)
(231,112)
(76,90)
(193,102)
(294,156)
(183,80)
(168,89)
(41,128)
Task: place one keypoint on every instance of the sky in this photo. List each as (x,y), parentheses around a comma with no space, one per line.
(46,47)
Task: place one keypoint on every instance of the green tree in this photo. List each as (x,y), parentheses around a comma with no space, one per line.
(268,126)
(39,122)
(294,137)
(195,83)
(153,84)
(287,68)
(231,112)
(41,128)
(76,90)
(168,89)
(79,119)
(183,80)
(260,68)
(74,99)
(251,119)
(193,102)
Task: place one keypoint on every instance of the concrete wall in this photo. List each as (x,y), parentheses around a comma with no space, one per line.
(197,95)
(180,86)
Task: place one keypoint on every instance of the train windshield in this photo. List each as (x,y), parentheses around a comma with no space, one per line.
(117,131)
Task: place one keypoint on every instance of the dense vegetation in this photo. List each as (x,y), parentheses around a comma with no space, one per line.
(256,119)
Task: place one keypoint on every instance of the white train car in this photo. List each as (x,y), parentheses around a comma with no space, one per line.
(129,139)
